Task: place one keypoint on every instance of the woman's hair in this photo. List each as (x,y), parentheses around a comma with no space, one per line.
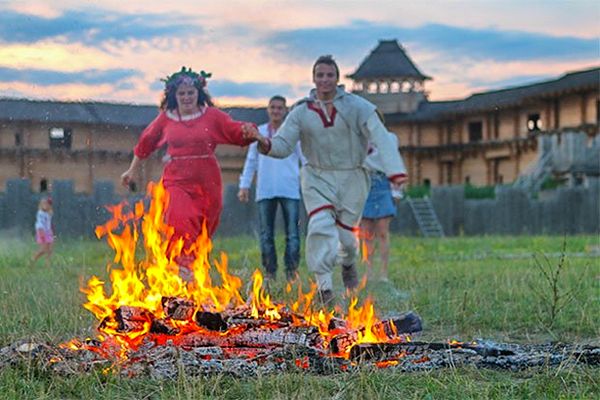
(189,77)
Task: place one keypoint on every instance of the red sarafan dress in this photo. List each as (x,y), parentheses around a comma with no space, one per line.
(192,176)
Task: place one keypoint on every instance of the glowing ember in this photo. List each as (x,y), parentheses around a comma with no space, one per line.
(386,363)
(149,300)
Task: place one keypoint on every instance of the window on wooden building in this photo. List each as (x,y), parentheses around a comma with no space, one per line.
(18,139)
(449,132)
(448,167)
(60,138)
(497,177)
(534,122)
(43,185)
(384,87)
(475,131)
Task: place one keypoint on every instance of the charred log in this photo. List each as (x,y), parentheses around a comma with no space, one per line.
(163,326)
(588,354)
(256,323)
(253,338)
(129,319)
(211,321)
(382,351)
(178,308)
(337,323)
(408,323)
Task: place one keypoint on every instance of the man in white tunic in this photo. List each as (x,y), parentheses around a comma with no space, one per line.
(277,183)
(334,128)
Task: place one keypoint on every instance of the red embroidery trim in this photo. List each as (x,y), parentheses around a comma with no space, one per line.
(316,210)
(354,229)
(346,227)
(393,177)
(315,108)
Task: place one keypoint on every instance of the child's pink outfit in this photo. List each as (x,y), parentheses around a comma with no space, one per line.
(43,227)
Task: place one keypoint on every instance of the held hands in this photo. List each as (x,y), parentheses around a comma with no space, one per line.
(249,131)
(244,195)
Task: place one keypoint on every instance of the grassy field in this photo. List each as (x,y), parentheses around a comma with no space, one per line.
(464,288)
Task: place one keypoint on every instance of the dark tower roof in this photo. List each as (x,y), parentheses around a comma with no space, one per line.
(387,60)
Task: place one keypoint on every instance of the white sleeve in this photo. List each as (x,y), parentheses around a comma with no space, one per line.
(387,147)
(300,155)
(250,167)
(284,142)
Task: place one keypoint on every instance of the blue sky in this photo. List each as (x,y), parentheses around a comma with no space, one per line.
(111,51)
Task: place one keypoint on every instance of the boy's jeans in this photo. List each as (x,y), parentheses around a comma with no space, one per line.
(267,210)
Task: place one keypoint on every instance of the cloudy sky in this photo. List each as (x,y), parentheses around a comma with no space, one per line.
(116,50)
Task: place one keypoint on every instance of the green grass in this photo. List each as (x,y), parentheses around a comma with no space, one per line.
(464,288)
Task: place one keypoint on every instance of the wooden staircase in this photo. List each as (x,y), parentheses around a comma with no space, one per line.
(426,218)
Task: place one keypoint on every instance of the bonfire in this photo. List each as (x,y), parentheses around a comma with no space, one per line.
(152,321)
(149,301)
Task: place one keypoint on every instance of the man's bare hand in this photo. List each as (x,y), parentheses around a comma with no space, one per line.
(244,195)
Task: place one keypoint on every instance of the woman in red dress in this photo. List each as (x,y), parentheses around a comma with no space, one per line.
(192,128)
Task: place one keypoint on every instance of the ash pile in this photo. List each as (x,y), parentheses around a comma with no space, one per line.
(235,343)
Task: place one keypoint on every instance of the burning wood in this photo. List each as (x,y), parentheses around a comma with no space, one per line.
(394,329)
(211,321)
(167,360)
(178,308)
(128,319)
(163,326)
(152,320)
(254,338)
(202,313)
(201,327)
(383,351)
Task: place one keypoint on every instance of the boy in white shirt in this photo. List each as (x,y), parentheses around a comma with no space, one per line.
(277,183)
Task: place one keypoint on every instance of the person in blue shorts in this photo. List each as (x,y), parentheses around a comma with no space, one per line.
(379,211)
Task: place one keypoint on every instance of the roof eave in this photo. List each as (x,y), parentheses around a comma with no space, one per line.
(356,76)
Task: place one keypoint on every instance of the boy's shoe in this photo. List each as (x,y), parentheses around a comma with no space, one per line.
(270,276)
(350,276)
(327,298)
(269,280)
(291,275)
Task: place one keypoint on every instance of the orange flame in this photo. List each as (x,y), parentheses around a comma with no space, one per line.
(262,306)
(138,286)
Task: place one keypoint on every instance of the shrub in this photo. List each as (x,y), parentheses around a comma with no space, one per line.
(418,192)
(479,192)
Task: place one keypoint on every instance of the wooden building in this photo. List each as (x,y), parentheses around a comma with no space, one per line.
(47,140)
(484,139)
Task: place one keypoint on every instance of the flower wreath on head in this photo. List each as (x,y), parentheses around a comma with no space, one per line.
(187,76)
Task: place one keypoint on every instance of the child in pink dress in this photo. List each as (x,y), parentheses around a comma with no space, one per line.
(43,230)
